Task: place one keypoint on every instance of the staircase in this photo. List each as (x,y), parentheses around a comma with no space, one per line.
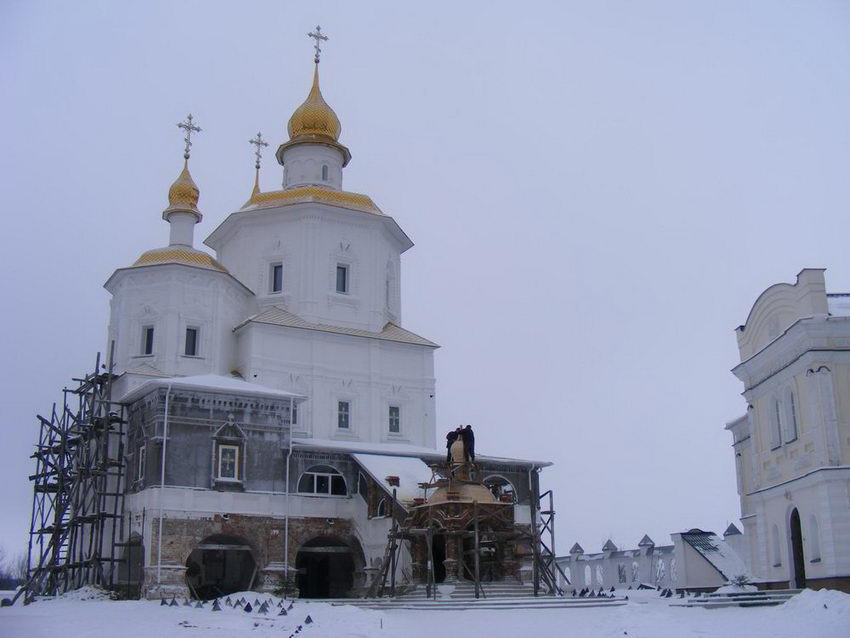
(494,596)
(766,598)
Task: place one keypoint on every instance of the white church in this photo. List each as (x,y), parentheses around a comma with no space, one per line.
(792,447)
(274,400)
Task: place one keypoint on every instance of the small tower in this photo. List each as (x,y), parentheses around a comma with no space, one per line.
(313,155)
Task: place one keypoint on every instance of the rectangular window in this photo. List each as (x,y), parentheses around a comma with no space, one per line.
(228,462)
(341,278)
(191,348)
(395,419)
(294,413)
(343,415)
(142,459)
(147,340)
(276,277)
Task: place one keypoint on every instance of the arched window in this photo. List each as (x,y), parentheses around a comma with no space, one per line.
(777,552)
(588,576)
(324,172)
(501,488)
(381,511)
(814,540)
(791,425)
(322,480)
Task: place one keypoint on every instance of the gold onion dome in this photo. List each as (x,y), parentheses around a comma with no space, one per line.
(314,117)
(183,194)
(179,255)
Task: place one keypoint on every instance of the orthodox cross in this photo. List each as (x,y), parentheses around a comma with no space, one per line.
(318,36)
(189,127)
(259,142)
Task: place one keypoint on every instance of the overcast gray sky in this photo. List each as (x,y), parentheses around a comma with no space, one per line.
(598,191)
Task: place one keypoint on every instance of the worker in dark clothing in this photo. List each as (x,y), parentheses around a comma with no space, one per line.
(468,443)
(451,437)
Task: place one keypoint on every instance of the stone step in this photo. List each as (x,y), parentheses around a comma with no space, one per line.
(548,602)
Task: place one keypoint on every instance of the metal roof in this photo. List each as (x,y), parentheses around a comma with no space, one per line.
(276,316)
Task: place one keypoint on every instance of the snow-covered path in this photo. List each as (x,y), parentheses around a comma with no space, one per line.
(823,614)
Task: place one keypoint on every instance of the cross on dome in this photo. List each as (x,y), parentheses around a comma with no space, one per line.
(190,128)
(259,142)
(319,37)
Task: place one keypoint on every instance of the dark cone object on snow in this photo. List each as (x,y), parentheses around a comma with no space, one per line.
(248,607)
(264,609)
(187,603)
(308,620)
(291,605)
(163,602)
(216,606)
(282,612)
(199,605)
(173,603)
(256,602)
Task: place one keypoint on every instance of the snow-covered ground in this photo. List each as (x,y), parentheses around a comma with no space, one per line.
(821,614)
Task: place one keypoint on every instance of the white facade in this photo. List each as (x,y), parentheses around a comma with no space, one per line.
(792,447)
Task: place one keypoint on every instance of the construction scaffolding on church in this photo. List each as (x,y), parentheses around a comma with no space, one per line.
(78,497)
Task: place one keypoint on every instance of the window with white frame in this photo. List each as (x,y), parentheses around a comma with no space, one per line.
(322,480)
(276,277)
(147,340)
(381,510)
(228,462)
(343,415)
(141,464)
(190,343)
(395,419)
(342,278)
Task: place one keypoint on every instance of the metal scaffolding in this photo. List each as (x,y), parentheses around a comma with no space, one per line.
(78,490)
(540,537)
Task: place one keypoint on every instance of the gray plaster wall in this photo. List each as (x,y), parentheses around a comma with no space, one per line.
(197,422)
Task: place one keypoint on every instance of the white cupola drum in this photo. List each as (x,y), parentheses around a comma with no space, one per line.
(313,155)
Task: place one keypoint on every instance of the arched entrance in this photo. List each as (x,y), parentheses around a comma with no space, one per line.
(438,555)
(131,569)
(325,568)
(220,565)
(798,565)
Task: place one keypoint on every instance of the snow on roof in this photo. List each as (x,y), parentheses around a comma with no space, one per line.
(214,383)
(401,449)
(717,552)
(410,472)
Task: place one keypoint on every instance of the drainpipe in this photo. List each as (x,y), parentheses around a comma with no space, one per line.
(161,487)
(286,514)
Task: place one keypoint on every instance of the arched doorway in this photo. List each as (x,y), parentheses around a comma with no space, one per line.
(325,568)
(798,565)
(438,555)
(131,569)
(220,565)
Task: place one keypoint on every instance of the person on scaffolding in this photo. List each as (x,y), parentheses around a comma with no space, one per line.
(451,437)
(468,437)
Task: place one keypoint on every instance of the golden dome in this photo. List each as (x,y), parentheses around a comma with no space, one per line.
(184,193)
(314,117)
(462,492)
(179,255)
